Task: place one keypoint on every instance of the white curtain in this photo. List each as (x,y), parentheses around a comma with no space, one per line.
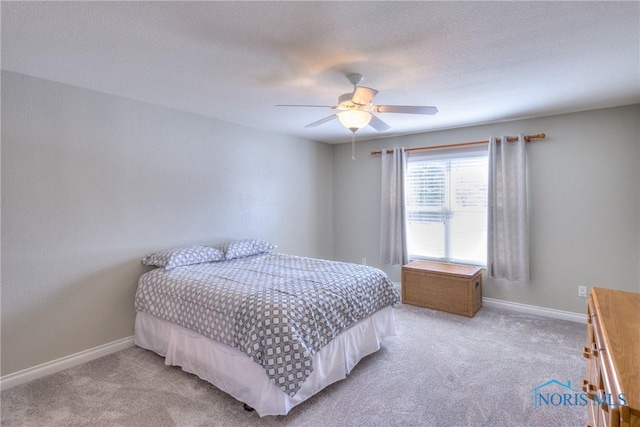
(392,213)
(508,233)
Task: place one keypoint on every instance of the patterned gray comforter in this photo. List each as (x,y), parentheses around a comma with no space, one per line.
(278,309)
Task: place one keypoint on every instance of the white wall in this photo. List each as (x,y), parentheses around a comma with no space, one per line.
(584,203)
(92,182)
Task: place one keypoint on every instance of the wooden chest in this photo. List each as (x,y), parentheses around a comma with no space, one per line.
(452,288)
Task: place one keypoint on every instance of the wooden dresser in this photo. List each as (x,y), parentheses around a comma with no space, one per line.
(613,358)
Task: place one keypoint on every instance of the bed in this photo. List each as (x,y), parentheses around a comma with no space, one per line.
(269,329)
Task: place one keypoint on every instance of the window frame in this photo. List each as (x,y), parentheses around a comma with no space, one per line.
(444,155)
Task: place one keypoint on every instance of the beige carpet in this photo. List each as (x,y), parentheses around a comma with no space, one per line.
(441,370)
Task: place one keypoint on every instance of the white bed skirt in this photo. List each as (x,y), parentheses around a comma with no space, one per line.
(238,375)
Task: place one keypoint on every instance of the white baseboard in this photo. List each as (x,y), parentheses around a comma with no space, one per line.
(66,362)
(48,368)
(532,309)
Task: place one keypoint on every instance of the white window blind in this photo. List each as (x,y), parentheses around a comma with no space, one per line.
(446,205)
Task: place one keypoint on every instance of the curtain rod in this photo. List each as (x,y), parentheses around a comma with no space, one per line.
(464,144)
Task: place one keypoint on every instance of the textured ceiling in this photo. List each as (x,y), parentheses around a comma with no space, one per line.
(478,62)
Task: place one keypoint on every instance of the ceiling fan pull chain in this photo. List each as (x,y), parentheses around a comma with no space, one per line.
(353,145)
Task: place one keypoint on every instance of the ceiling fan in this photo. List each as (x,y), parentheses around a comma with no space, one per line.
(357,111)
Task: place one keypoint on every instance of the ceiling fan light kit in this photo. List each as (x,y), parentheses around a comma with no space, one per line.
(354,120)
(356,110)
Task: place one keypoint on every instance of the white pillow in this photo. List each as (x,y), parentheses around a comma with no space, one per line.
(245,247)
(185,255)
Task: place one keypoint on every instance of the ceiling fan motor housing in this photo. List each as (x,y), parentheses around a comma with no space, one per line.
(345,103)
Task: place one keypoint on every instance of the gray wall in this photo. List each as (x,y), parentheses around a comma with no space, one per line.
(584,203)
(92,182)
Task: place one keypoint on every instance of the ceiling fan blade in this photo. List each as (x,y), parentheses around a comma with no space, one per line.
(406,109)
(363,95)
(301,105)
(321,121)
(378,124)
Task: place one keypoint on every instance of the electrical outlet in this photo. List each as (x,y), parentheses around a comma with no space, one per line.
(364,261)
(582,291)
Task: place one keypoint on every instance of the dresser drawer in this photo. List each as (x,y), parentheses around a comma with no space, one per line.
(612,382)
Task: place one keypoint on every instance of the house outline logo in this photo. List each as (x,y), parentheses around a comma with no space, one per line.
(569,396)
(537,396)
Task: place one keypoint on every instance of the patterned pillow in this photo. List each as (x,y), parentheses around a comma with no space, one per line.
(245,247)
(186,255)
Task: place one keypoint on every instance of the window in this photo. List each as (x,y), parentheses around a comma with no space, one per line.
(446,205)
